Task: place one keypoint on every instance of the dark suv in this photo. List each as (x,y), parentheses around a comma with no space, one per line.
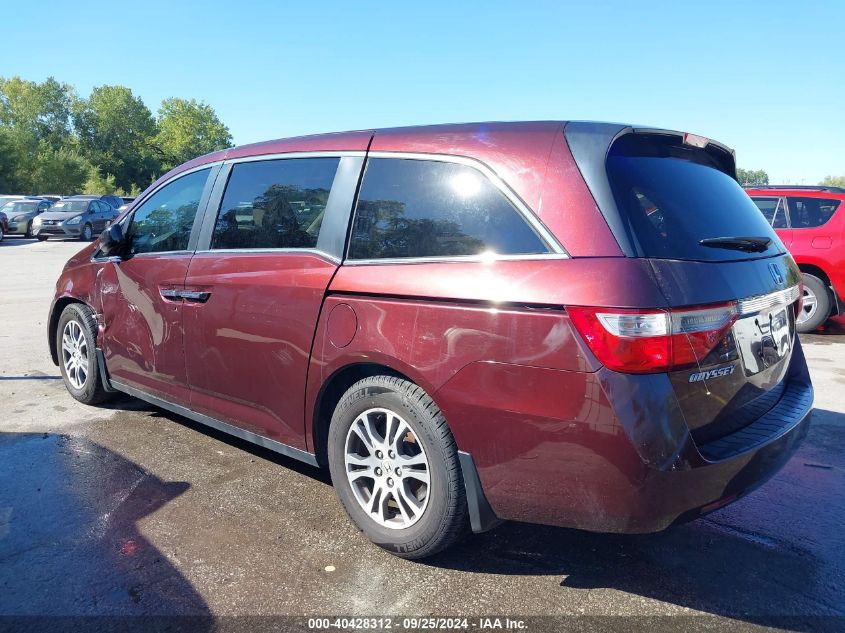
(579,324)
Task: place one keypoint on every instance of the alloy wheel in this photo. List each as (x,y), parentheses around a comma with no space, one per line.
(75,354)
(387,468)
(810,306)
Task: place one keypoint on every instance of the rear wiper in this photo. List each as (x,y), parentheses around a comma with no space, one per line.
(747,244)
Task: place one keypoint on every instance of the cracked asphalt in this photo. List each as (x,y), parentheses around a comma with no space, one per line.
(127,510)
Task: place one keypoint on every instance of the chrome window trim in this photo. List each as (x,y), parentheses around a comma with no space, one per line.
(527,214)
(141,200)
(293,155)
(268,251)
(456,259)
(751,305)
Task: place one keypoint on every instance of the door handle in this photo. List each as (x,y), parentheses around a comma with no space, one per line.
(170,293)
(199,296)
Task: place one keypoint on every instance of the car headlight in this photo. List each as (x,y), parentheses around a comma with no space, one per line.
(75,220)
(36,221)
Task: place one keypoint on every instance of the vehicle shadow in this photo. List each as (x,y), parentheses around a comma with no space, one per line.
(759,561)
(70,545)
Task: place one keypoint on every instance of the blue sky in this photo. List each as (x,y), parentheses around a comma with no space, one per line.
(766,78)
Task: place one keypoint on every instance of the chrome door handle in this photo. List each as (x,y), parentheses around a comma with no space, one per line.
(170,293)
(199,296)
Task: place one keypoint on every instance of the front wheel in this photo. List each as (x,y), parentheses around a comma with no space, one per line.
(41,238)
(28,234)
(394,465)
(87,233)
(817,304)
(76,343)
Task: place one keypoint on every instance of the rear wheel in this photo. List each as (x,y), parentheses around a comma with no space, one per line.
(394,465)
(87,233)
(817,304)
(76,343)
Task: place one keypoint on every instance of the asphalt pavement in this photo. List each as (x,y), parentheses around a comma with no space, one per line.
(127,510)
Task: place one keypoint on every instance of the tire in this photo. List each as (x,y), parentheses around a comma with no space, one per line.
(87,233)
(2,234)
(41,238)
(817,304)
(82,375)
(440,516)
(28,234)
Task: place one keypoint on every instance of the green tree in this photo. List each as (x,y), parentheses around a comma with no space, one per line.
(833,181)
(751,178)
(61,171)
(42,111)
(187,129)
(96,183)
(115,132)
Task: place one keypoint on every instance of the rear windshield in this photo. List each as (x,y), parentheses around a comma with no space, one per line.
(673,196)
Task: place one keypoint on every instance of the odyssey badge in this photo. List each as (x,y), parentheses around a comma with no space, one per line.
(712,373)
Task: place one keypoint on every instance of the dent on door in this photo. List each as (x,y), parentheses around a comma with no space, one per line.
(143,324)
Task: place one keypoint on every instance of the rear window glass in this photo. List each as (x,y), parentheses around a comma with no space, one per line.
(673,196)
(806,213)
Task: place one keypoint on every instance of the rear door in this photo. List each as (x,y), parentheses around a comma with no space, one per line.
(141,305)
(271,242)
(731,286)
(813,232)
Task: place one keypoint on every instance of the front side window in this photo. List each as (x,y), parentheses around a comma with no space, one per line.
(806,213)
(424,208)
(164,221)
(773,210)
(274,204)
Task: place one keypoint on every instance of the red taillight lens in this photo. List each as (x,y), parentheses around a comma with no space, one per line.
(655,340)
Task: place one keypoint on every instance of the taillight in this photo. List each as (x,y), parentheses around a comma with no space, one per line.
(653,340)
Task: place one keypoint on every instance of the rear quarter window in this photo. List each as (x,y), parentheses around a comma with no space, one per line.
(421,208)
(807,213)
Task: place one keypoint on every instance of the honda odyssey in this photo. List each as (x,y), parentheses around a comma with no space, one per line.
(579,324)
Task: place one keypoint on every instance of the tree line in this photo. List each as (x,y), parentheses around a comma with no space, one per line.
(758,177)
(53,141)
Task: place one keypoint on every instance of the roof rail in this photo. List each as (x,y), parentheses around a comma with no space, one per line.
(829,189)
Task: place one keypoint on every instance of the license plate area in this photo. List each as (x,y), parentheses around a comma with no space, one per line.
(765,338)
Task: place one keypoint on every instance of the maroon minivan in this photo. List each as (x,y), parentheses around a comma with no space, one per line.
(581,324)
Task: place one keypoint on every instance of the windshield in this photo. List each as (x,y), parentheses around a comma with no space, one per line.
(675,196)
(19,206)
(65,206)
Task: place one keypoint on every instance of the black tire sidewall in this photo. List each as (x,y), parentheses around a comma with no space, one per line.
(823,305)
(91,390)
(87,233)
(430,524)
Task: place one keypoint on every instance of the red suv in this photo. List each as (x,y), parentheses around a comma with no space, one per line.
(805,218)
(580,324)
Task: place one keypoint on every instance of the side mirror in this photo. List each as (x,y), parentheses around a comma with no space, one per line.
(111,240)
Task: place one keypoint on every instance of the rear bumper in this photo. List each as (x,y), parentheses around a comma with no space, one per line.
(607,453)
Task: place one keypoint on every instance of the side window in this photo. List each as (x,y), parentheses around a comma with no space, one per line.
(422,208)
(773,210)
(806,213)
(274,203)
(163,222)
